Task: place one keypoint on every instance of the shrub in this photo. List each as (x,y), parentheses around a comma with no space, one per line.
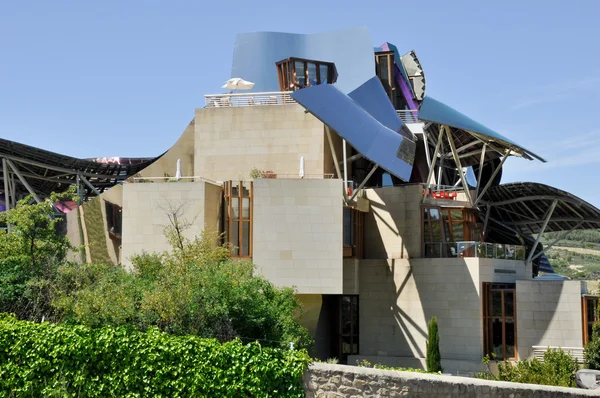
(47,359)
(592,349)
(557,369)
(434,360)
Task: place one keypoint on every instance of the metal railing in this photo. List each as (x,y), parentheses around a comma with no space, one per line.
(169,179)
(248,99)
(408,116)
(467,249)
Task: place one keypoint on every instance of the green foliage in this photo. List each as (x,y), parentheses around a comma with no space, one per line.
(196,289)
(30,253)
(76,361)
(592,349)
(366,364)
(557,369)
(433,357)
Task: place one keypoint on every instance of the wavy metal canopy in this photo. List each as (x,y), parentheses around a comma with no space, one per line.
(48,172)
(390,149)
(524,206)
(435,111)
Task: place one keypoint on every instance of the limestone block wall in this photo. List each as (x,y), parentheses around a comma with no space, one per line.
(548,314)
(145,207)
(393,226)
(399,296)
(297,233)
(327,380)
(351,276)
(231,141)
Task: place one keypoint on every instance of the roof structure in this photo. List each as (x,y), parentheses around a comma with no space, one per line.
(531,208)
(47,172)
(470,136)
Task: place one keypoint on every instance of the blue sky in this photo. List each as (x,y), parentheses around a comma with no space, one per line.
(122,78)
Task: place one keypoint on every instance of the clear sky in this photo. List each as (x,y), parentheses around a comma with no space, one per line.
(122,78)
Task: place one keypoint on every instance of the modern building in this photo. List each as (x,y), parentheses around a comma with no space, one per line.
(383,206)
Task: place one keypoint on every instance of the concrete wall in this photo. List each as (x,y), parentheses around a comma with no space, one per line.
(393,226)
(548,314)
(325,380)
(145,214)
(231,141)
(297,233)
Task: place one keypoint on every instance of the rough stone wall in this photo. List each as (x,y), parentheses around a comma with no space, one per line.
(337,381)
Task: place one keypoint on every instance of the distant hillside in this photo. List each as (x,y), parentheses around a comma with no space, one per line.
(577,257)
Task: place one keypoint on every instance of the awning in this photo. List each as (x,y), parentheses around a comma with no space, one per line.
(369,134)
(525,207)
(437,112)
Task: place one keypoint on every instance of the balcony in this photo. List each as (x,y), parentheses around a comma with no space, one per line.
(408,116)
(470,249)
(248,99)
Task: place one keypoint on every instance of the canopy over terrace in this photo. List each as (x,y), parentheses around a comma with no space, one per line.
(531,208)
(26,169)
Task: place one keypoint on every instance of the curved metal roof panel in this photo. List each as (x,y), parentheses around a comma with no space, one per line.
(524,206)
(392,151)
(255,55)
(435,111)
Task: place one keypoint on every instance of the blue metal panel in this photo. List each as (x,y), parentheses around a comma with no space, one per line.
(371,96)
(373,140)
(255,55)
(435,111)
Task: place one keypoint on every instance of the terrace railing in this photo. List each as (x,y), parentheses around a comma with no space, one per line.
(408,116)
(468,249)
(248,99)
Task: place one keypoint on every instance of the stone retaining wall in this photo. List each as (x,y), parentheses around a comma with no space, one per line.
(337,381)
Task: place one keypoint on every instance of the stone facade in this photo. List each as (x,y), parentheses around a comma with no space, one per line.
(297,233)
(145,207)
(339,381)
(548,314)
(232,141)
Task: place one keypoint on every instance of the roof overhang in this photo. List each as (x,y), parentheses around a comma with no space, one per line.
(470,135)
(525,207)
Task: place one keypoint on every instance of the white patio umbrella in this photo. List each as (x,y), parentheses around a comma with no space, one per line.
(237,83)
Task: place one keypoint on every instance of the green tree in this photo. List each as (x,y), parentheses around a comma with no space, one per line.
(31,250)
(434,360)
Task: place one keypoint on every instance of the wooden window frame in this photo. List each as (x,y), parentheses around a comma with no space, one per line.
(391,90)
(229,220)
(469,217)
(487,289)
(286,71)
(584,315)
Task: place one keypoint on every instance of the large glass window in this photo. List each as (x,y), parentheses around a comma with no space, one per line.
(349,325)
(297,73)
(499,320)
(238,217)
(114,220)
(449,232)
(590,316)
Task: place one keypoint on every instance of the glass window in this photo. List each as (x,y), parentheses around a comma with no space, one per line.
(235,208)
(245,208)
(347,226)
(235,237)
(499,320)
(245,238)
(383,71)
(237,222)
(323,72)
(590,316)
(300,74)
(312,74)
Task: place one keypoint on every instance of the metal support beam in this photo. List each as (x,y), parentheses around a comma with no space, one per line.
(345,160)
(462,148)
(561,237)
(489,183)
(433,159)
(362,184)
(86,182)
(426,145)
(459,166)
(353,158)
(50,167)
(481,161)
(335,161)
(537,240)
(6,192)
(23,181)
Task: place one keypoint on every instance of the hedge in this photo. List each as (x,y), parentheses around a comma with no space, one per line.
(61,360)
